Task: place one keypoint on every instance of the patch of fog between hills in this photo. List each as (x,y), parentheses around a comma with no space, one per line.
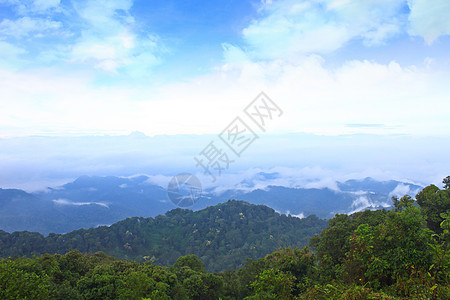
(66,202)
(301,215)
(364,200)
(254,179)
(402,190)
(263,179)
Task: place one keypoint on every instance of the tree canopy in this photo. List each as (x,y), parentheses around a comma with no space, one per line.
(222,236)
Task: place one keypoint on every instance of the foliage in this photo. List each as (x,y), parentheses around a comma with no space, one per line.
(273,284)
(402,203)
(381,254)
(97,276)
(17,283)
(222,236)
(433,202)
(334,242)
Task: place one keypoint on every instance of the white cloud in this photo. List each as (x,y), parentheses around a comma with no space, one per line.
(9,51)
(380,34)
(288,27)
(233,54)
(322,183)
(67,202)
(110,53)
(364,202)
(104,14)
(26,26)
(33,163)
(402,190)
(315,100)
(300,215)
(159,180)
(429,18)
(314,177)
(25,7)
(109,40)
(10,58)
(44,5)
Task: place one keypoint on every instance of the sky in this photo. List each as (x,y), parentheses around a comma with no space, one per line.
(334,67)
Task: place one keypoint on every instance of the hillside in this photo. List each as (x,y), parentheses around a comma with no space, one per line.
(223,236)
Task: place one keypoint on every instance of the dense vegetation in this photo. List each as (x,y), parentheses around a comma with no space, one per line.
(396,254)
(222,236)
(98,276)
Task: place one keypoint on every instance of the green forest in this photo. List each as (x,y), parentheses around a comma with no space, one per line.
(222,236)
(383,254)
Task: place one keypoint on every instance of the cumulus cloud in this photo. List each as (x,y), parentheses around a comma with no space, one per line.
(99,34)
(26,26)
(44,5)
(109,40)
(429,18)
(24,7)
(316,100)
(288,27)
(115,51)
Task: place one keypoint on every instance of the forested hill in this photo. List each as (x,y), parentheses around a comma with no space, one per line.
(222,236)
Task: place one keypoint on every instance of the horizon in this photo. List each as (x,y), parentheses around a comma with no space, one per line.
(304,160)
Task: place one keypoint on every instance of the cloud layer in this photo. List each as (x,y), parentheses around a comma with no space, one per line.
(299,160)
(335,67)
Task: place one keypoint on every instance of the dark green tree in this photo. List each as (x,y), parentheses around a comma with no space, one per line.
(402,203)
(433,202)
(446,182)
(191,261)
(16,283)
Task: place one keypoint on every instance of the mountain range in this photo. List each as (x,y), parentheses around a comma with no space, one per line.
(94,201)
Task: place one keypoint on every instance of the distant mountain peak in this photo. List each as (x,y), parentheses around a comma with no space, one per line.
(137,134)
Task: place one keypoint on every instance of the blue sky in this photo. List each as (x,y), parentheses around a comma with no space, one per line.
(340,68)
(175,67)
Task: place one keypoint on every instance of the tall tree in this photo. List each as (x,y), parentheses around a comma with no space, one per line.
(433,202)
